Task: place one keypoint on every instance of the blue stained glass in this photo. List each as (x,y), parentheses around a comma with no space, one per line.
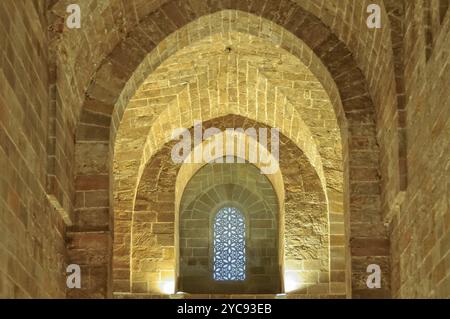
(229,245)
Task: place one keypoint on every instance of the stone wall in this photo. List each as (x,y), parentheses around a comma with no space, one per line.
(363,154)
(32,232)
(420,230)
(201,70)
(229,185)
(152,244)
(64,93)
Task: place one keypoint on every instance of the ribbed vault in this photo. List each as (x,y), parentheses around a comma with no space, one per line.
(127,95)
(304,205)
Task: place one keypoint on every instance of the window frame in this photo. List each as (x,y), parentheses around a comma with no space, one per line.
(213,215)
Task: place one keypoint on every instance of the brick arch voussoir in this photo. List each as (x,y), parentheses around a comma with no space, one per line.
(152,176)
(290,153)
(125,58)
(160,175)
(256,197)
(104,90)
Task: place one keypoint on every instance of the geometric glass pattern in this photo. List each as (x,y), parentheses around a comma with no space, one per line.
(229,245)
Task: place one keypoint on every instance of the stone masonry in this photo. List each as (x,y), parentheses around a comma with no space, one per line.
(86,122)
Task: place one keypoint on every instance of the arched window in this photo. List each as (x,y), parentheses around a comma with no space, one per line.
(229,245)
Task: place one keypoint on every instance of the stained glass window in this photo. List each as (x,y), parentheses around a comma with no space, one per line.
(229,245)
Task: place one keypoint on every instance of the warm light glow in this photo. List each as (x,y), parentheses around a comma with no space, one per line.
(292,281)
(168,287)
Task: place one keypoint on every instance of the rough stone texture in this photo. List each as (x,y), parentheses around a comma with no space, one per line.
(356,103)
(232,185)
(372,128)
(420,229)
(306,260)
(32,233)
(307,96)
(140,111)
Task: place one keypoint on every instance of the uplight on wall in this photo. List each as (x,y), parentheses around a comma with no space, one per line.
(292,281)
(168,287)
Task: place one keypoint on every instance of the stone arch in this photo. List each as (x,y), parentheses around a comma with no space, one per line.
(301,192)
(167,128)
(351,88)
(330,16)
(262,229)
(169,115)
(190,168)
